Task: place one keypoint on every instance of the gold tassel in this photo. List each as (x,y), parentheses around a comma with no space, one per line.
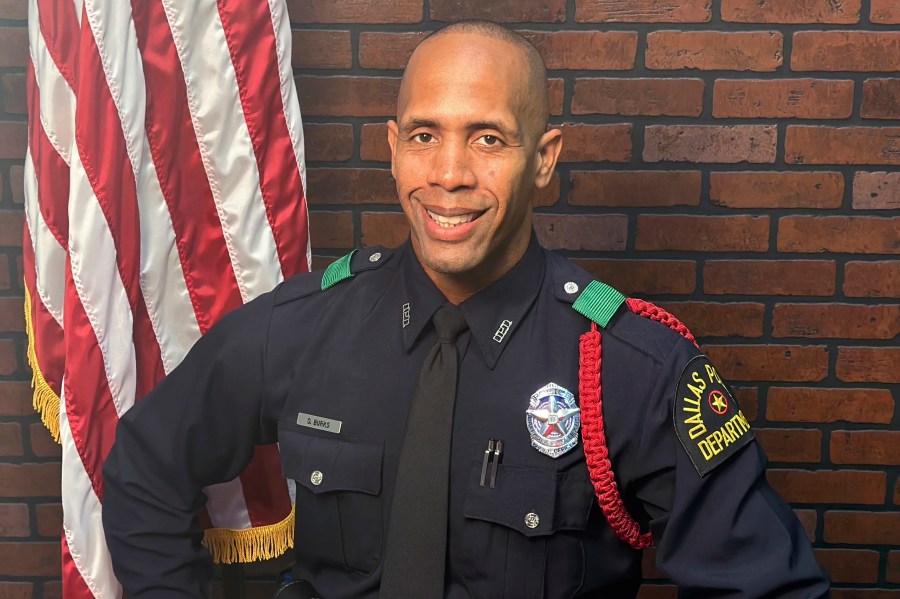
(228,546)
(45,400)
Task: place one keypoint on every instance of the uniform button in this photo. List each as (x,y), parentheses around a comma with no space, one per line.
(375,257)
(532,520)
(571,287)
(316,477)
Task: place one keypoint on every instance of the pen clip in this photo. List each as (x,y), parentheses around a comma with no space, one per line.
(498,455)
(488,453)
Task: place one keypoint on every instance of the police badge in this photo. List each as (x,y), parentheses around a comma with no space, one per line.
(553,419)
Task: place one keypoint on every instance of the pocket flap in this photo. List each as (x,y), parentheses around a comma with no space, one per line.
(533,502)
(325,465)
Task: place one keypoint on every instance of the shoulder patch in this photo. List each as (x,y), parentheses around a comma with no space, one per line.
(708,421)
(599,302)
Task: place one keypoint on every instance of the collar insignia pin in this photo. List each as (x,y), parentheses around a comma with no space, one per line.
(553,419)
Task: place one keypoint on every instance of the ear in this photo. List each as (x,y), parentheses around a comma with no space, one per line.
(392,141)
(548,148)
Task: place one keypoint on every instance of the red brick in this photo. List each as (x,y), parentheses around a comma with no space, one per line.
(876,191)
(42,443)
(11,223)
(353,11)
(322,262)
(657,591)
(332,230)
(500,11)
(892,572)
(847,593)
(30,559)
(328,141)
(635,189)
(791,445)
(642,277)
(595,50)
(373,143)
(389,229)
(607,232)
(842,145)
(710,143)
(15,138)
(769,277)
(702,233)
(776,190)
(351,186)
(14,41)
(642,11)
(808,518)
(848,321)
(29,480)
(53,590)
(348,96)
(868,364)
(631,97)
(16,590)
(872,279)
(12,318)
(849,565)
(865,447)
(11,439)
(846,51)
(782,98)
(715,50)
(321,50)
(549,195)
(748,399)
(15,398)
(862,528)
(14,101)
(770,362)
(17,181)
(885,12)
(49,519)
(711,319)
(806,404)
(791,11)
(826,486)
(379,50)
(14,521)
(881,99)
(8,359)
(14,10)
(4,273)
(596,143)
(851,234)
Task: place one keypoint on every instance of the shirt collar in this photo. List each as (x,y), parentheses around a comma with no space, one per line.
(493,314)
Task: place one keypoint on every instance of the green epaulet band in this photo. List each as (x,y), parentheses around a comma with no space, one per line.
(599,302)
(337,271)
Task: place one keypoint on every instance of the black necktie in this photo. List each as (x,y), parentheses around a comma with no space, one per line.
(416,547)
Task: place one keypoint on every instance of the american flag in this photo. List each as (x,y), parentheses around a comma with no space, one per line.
(164,187)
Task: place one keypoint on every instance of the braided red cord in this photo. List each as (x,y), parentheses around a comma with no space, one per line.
(595,449)
(648,310)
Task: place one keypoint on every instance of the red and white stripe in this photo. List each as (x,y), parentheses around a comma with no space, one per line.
(164,187)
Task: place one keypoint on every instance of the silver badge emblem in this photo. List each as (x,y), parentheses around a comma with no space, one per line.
(554,419)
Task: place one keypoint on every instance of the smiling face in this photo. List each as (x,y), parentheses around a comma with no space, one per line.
(468,153)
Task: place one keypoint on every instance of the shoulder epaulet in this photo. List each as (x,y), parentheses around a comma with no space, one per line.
(599,302)
(340,270)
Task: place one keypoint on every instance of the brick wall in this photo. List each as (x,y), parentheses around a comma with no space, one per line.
(735,161)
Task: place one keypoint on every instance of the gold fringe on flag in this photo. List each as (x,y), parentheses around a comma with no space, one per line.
(228,546)
(45,400)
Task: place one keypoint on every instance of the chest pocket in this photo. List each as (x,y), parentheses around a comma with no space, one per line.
(339,506)
(529,526)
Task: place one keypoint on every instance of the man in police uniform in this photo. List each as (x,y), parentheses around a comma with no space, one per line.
(327,363)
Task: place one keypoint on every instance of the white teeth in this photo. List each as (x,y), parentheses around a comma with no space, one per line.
(451,221)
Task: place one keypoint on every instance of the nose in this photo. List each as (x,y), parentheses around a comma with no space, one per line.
(451,169)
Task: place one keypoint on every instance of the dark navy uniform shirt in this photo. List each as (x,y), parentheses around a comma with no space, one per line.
(352,353)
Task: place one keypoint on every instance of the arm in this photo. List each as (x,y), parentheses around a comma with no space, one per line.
(197,428)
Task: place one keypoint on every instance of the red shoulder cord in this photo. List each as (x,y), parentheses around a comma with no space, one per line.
(593,430)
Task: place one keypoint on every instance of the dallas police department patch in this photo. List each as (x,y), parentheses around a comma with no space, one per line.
(708,421)
(553,419)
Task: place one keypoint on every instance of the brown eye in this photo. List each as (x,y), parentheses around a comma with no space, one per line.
(423,137)
(489,140)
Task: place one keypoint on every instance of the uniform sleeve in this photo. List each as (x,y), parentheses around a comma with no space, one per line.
(198,427)
(726,533)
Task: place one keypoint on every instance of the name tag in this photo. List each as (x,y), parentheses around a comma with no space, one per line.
(317,422)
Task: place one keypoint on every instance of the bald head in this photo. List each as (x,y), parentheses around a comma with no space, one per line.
(526,70)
